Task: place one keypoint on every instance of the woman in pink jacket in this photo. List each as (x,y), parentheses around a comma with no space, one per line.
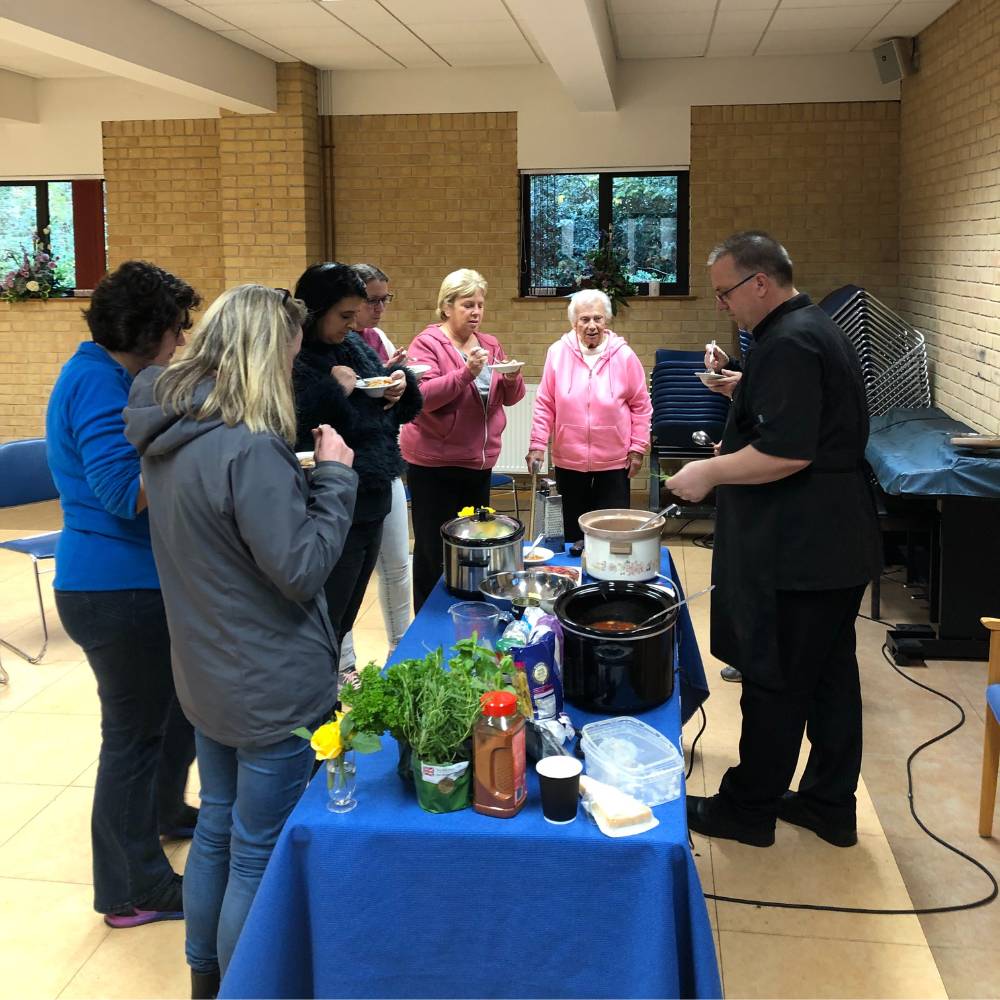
(452,446)
(594,403)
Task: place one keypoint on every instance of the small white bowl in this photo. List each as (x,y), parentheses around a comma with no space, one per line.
(375,391)
(307,459)
(419,369)
(506,367)
(707,378)
(539,557)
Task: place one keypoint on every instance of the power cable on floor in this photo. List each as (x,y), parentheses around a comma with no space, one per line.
(915,911)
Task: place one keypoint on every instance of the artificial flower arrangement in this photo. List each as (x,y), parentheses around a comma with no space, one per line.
(607,272)
(35,273)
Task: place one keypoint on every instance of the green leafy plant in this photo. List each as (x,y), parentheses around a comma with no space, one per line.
(607,272)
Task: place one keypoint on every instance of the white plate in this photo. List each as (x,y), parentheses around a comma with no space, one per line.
(708,378)
(372,390)
(539,557)
(419,369)
(505,367)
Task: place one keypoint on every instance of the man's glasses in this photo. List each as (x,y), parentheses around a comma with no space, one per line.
(382,300)
(722,296)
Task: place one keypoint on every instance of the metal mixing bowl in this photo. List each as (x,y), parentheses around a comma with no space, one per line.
(528,586)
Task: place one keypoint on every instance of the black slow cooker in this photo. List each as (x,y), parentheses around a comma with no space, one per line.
(612,664)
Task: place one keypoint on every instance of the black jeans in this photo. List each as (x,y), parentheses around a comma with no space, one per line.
(583,492)
(821,696)
(346,585)
(437,494)
(147,745)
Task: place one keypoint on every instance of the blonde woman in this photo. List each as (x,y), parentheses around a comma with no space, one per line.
(454,443)
(244,543)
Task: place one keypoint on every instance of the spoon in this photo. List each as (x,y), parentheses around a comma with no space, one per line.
(534,545)
(700,437)
(666,510)
(660,614)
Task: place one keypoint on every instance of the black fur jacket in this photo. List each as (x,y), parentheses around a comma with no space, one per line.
(365,425)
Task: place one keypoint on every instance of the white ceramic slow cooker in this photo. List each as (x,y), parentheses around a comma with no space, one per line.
(616,548)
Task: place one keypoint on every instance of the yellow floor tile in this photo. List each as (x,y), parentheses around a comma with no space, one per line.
(21,803)
(48,750)
(75,693)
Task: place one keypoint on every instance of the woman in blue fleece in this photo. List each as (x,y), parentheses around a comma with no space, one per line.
(108,593)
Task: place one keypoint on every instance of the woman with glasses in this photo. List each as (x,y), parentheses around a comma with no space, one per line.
(393,564)
(108,596)
(452,446)
(332,360)
(594,403)
(244,543)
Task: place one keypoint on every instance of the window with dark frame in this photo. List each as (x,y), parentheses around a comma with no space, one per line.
(73,213)
(564,214)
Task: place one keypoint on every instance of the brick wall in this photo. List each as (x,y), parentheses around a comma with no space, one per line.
(420,195)
(949,220)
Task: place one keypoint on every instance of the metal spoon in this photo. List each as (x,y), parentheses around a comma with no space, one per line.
(660,513)
(702,438)
(687,600)
(534,545)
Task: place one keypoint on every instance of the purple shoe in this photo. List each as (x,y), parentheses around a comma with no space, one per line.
(137,918)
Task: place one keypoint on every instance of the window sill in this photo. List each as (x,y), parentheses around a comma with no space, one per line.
(631,298)
(51,298)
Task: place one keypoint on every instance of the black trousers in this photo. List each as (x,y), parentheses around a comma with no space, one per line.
(583,492)
(437,494)
(345,587)
(821,696)
(147,745)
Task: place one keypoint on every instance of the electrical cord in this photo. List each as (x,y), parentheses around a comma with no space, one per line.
(915,911)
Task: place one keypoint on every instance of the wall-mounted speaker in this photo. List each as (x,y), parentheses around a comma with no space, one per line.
(894,59)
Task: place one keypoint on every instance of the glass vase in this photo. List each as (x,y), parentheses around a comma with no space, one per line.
(341,779)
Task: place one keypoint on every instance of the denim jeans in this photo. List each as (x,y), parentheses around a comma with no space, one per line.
(147,745)
(393,571)
(246,796)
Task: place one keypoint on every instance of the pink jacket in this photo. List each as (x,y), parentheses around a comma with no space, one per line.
(453,428)
(596,417)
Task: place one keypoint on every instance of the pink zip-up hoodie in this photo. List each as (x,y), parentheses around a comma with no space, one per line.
(596,417)
(454,428)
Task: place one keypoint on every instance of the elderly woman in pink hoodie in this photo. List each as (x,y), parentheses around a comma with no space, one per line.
(594,404)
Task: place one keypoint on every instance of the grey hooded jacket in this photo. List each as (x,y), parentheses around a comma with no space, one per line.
(243,544)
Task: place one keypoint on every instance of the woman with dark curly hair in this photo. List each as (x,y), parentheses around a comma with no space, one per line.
(108,593)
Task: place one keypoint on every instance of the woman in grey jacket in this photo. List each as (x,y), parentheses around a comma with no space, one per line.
(243,543)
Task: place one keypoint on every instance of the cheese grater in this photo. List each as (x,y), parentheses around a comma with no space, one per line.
(547,519)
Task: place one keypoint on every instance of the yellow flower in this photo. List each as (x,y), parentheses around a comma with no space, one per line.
(326,740)
(32,286)
(470,511)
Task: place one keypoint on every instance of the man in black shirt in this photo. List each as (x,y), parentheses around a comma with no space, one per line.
(796,543)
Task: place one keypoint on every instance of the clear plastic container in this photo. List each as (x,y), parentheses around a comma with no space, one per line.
(634,757)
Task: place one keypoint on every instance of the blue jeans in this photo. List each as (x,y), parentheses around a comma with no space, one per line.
(246,796)
(147,745)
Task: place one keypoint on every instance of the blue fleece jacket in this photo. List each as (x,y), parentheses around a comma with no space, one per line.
(104,544)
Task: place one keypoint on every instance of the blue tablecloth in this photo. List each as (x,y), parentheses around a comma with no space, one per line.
(910,453)
(391,901)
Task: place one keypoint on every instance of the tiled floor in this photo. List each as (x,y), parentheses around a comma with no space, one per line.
(53,944)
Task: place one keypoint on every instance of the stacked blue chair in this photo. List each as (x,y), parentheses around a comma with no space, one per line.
(24,479)
(682,404)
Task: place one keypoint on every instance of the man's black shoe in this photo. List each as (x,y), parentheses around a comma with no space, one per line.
(792,808)
(709,817)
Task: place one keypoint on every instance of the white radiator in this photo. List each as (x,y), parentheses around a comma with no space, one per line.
(517,435)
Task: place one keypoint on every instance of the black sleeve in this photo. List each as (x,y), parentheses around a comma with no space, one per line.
(319,400)
(411,402)
(786,399)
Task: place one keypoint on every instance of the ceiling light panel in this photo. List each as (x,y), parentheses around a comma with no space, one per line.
(783,43)
(829,17)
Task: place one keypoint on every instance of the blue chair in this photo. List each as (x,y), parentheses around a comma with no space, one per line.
(498,481)
(991,738)
(25,478)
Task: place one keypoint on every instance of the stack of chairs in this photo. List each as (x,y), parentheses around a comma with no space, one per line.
(681,405)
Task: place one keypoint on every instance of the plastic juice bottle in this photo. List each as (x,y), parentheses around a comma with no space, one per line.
(498,757)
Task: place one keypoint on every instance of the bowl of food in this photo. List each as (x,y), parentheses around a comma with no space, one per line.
(307,459)
(506,367)
(538,556)
(708,378)
(524,587)
(374,386)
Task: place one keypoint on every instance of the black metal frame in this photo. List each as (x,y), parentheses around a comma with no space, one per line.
(605,181)
(42,216)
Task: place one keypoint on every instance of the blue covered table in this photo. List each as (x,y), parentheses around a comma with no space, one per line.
(391,901)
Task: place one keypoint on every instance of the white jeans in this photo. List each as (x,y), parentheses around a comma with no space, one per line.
(395,592)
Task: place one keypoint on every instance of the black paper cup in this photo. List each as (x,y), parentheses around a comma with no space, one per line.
(559,780)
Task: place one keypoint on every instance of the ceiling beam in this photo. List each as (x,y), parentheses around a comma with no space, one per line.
(575,38)
(18,98)
(139,40)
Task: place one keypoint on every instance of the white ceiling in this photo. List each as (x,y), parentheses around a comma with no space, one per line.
(418,34)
